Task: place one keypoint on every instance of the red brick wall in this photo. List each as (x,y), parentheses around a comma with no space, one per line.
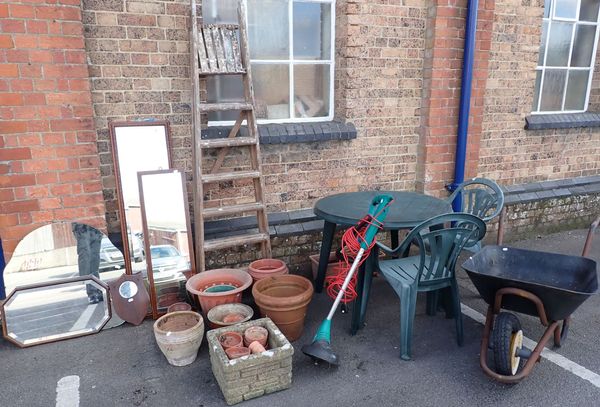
(49,165)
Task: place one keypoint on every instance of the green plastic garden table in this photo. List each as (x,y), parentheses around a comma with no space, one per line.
(346,209)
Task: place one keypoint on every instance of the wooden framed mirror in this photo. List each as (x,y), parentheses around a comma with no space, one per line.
(167,236)
(136,146)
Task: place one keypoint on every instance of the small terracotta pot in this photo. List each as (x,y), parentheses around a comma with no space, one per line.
(179,306)
(256,334)
(230,340)
(179,335)
(284,299)
(216,316)
(237,352)
(262,268)
(256,347)
(220,286)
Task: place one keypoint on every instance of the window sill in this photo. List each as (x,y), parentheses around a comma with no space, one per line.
(292,132)
(562,121)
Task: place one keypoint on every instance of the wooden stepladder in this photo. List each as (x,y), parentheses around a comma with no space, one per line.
(222,49)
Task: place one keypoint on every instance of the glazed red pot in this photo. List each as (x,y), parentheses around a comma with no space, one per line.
(263,268)
(216,287)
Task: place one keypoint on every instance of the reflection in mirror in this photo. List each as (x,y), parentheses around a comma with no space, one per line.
(137,146)
(168,238)
(49,312)
(128,289)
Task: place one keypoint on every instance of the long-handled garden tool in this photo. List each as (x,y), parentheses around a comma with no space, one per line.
(357,241)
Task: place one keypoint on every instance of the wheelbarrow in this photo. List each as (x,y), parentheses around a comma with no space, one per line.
(547,285)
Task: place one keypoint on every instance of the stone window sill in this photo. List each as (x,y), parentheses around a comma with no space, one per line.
(292,132)
(562,121)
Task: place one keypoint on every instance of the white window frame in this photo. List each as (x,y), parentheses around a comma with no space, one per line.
(551,17)
(291,62)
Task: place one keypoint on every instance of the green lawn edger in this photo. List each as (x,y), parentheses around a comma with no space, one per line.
(356,242)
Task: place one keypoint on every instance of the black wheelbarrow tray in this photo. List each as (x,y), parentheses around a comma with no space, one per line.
(547,285)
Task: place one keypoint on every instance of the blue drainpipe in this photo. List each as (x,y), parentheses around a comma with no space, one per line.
(465,101)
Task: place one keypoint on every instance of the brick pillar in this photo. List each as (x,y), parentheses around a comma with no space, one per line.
(49,166)
(441,92)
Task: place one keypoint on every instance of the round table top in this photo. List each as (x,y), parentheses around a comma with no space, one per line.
(406,211)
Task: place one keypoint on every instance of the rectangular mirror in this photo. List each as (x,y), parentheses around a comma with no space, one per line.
(48,312)
(137,146)
(167,236)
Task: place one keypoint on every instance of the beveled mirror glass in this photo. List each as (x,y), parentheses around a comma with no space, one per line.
(137,146)
(167,235)
(41,313)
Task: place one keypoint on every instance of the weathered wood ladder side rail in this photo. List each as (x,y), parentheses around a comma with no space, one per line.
(216,50)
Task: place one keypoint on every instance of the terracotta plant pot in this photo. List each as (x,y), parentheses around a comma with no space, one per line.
(229,314)
(179,306)
(256,347)
(238,352)
(256,334)
(262,268)
(230,340)
(220,286)
(179,335)
(284,299)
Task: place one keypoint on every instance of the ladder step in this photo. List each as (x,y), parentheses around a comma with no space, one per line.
(215,107)
(229,176)
(233,209)
(233,241)
(227,142)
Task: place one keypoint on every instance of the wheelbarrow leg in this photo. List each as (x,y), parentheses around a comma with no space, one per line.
(561,332)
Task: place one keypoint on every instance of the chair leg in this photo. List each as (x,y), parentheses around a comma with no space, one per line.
(432,303)
(408,302)
(457,313)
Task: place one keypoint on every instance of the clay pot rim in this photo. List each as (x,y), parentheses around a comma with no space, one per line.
(274,269)
(280,302)
(243,277)
(246,350)
(179,303)
(175,315)
(245,307)
(231,333)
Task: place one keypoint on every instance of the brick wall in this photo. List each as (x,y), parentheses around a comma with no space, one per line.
(509,153)
(49,166)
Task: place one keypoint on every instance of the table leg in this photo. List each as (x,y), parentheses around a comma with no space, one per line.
(328,232)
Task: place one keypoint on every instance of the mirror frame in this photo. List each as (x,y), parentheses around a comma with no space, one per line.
(57,282)
(192,271)
(115,154)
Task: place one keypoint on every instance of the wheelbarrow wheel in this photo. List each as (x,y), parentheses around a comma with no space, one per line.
(507,340)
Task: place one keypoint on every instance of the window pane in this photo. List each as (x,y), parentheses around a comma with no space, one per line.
(271,91)
(311,90)
(268,29)
(547,5)
(583,45)
(589,10)
(219,11)
(576,90)
(559,44)
(552,93)
(565,8)
(536,92)
(221,89)
(543,46)
(312,30)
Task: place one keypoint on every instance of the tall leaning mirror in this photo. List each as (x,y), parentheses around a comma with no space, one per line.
(167,236)
(136,146)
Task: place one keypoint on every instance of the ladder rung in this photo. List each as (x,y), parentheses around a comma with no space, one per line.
(237,72)
(239,240)
(229,176)
(233,209)
(228,142)
(215,107)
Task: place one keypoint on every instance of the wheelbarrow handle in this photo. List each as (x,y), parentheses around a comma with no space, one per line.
(590,236)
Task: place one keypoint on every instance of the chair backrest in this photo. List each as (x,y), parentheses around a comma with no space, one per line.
(440,240)
(481,197)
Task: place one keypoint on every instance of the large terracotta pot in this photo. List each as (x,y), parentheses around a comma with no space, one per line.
(216,287)
(262,268)
(179,335)
(284,299)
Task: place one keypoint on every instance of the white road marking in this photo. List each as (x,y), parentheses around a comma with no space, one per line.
(67,392)
(548,354)
(84,319)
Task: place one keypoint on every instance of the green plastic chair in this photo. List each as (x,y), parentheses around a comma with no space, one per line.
(440,240)
(481,197)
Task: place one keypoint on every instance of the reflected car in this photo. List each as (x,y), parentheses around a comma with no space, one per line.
(137,248)
(111,258)
(168,263)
